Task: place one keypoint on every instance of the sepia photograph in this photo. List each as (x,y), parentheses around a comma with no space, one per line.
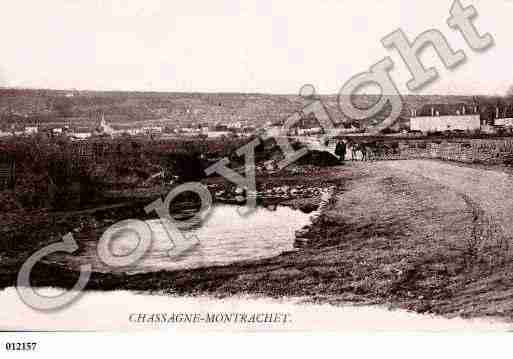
(255,167)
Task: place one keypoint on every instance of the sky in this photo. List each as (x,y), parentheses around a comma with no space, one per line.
(265,46)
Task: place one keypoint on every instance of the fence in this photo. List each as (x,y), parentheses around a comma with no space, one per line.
(485,151)
(7,175)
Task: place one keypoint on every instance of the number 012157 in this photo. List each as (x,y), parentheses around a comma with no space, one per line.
(20,346)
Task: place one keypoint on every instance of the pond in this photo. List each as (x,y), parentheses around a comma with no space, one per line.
(225,238)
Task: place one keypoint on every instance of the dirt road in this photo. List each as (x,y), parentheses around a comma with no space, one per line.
(491,190)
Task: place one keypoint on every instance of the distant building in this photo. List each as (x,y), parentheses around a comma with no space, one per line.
(444,117)
(235,125)
(72,94)
(152,129)
(502,116)
(134,131)
(308,131)
(80,133)
(276,131)
(31,130)
(217,134)
(190,131)
(506,122)
(103,127)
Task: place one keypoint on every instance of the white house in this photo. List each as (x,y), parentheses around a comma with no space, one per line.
(81,135)
(217,134)
(503,116)
(31,130)
(440,118)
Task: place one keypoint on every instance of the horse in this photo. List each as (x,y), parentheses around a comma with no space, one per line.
(371,151)
(358,147)
(353,146)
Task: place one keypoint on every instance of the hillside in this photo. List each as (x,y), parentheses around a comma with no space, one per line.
(175,109)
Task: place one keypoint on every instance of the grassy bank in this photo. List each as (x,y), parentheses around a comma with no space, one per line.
(24,232)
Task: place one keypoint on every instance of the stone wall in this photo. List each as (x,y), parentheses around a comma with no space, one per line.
(486,151)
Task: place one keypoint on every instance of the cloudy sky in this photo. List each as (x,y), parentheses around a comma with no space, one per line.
(272,46)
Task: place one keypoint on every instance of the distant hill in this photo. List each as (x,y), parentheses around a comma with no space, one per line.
(81,108)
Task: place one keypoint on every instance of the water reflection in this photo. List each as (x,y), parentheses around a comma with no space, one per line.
(225,238)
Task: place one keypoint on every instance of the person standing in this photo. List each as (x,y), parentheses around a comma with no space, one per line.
(340,150)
